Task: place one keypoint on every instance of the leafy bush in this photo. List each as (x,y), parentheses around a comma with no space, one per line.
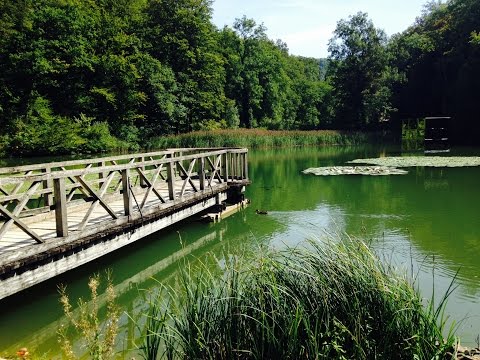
(98,137)
(4,144)
(42,132)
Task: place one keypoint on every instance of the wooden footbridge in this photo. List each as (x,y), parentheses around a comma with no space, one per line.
(57,216)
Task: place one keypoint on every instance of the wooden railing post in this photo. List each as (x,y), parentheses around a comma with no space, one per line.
(225,167)
(61,218)
(245,166)
(171,178)
(238,169)
(219,168)
(239,166)
(177,168)
(235,165)
(201,172)
(127,196)
(142,169)
(101,175)
(47,184)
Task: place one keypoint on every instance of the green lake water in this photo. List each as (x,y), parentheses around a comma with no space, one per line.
(426,222)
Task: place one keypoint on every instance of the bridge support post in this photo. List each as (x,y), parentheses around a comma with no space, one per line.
(127,198)
(61,218)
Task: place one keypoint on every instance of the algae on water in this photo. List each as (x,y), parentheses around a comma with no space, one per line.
(355,170)
(429,161)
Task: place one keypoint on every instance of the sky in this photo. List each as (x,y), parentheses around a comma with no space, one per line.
(307,25)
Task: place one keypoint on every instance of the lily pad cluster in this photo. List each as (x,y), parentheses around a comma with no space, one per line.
(429,161)
(355,170)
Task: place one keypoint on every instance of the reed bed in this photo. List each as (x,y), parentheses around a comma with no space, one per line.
(323,301)
(258,138)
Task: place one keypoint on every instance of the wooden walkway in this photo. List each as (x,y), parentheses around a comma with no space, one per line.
(52,211)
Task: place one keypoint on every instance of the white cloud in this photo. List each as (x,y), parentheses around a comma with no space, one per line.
(311,42)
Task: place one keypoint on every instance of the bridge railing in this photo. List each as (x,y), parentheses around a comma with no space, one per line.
(74,191)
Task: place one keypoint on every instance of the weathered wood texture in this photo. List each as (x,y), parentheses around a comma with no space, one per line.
(51,209)
(85,250)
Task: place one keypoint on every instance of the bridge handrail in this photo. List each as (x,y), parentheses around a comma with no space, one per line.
(59,164)
(176,171)
(65,173)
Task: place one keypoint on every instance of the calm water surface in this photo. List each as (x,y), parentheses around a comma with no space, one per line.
(426,222)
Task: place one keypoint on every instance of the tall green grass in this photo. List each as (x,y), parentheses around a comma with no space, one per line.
(258,138)
(324,301)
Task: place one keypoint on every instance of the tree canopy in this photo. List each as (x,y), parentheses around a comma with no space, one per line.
(117,73)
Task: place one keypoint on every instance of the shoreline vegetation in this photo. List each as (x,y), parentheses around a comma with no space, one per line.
(334,299)
(261,138)
(251,138)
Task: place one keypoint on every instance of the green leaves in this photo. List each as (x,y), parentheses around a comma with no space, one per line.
(146,68)
(358,63)
(158,67)
(42,132)
(475,38)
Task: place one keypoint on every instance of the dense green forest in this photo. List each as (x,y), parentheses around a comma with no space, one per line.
(91,75)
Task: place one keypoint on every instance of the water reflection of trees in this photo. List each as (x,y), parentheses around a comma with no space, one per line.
(436,208)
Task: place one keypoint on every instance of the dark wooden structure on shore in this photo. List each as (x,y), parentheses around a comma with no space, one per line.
(57,216)
(428,134)
(437,134)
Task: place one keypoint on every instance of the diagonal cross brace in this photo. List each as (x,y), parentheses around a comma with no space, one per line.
(215,169)
(72,180)
(150,185)
(21,225)
(159,166)
(19,207)
(98,199)
(2,190)
(188,175)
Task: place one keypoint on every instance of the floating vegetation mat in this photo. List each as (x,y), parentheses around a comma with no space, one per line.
(355,170)
(432,161)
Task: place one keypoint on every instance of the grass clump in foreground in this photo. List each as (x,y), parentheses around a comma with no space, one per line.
(259,138)
(330,301)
